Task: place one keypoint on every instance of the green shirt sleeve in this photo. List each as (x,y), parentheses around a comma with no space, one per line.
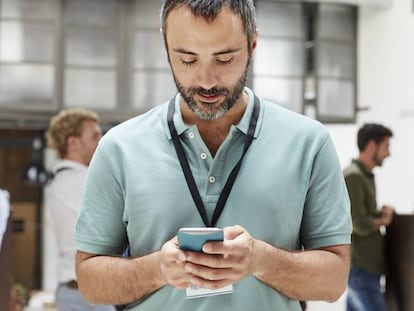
(363,205)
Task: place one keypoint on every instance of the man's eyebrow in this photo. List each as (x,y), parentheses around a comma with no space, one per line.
(182,51)
(227,51)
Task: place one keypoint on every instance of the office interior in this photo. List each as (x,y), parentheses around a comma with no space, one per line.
(342,62)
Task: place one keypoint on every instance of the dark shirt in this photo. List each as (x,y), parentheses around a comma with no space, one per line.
(367,249)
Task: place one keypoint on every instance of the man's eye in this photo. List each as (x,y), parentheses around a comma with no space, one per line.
(188,63)
(225,61)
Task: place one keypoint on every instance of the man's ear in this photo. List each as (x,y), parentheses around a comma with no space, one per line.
(72,142)
(254,41)
(372,145)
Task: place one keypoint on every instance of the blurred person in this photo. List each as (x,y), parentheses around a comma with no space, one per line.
(367,250)
(285,191)
(74,134)
(4,213)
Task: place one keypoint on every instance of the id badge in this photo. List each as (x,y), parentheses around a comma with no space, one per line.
(197,292)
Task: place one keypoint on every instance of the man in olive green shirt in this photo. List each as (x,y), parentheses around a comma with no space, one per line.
(368,262)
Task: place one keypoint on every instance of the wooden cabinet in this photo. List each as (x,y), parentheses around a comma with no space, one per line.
(400,254)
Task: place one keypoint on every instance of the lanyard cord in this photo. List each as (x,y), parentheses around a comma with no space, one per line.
(189,175)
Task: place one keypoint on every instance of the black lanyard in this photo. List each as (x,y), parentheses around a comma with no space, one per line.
(189,175)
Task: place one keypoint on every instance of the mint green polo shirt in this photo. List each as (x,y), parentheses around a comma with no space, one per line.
(290,192)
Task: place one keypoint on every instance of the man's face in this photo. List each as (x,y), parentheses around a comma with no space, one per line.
(209,60)
(382,151)
(88,140)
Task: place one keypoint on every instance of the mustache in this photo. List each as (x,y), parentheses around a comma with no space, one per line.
(210,92)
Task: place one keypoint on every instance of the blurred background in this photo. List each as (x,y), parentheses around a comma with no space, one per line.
(342,62)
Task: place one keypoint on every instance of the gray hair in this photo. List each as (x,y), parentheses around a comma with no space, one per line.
(209,9)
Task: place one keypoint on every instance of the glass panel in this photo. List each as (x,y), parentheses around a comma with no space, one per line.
(26,83)
(150,89)
(336,22)
(286,92)
(149,51)
(91,12)
(34,9)
(147,13)
(26,42)
(335,99)
(90,46)
(278,57)
(280,19)
(335,60)
(90,89)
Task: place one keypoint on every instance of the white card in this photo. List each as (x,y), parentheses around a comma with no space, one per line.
(196,292)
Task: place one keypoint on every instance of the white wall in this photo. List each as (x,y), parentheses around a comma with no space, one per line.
(386,86)
(387,82)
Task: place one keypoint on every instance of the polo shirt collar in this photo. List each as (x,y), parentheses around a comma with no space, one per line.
(363,168)
(243,125)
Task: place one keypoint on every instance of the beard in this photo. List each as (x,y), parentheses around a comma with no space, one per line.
(376,159)
(210,111)
(378,162)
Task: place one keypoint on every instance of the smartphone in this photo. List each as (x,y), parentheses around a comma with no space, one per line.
(193,239)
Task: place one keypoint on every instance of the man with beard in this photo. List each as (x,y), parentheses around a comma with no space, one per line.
(367,251)
(215,155)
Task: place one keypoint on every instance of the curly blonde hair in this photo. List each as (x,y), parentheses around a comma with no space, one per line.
(65,124)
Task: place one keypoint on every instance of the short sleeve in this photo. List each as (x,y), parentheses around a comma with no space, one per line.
(327,218)
(100,228)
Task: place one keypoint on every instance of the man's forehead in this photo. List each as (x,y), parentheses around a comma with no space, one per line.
(182,12)
(183,22)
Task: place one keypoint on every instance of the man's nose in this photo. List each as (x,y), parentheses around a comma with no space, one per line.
(207,77)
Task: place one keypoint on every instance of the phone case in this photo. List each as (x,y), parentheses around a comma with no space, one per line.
(193,239)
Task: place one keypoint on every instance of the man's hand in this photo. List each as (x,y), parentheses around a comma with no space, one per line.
(172,261)
(317,274)
(220,263)
(386,215)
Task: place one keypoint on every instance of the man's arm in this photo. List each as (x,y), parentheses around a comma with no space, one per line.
(384,217)
(319,274)
(363,222)
(304,275)
(118,280)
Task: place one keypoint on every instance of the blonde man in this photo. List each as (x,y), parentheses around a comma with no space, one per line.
(74,134)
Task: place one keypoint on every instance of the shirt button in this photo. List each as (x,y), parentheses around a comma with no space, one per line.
(203,156)
(191,135)
(212,179)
